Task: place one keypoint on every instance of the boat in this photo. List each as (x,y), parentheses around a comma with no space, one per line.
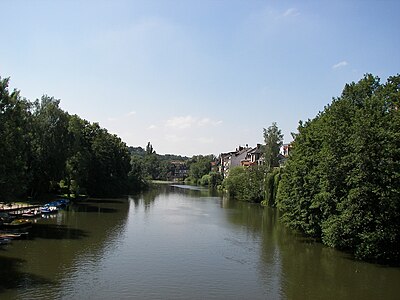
(6,218)
(54,206)
(19,223)
(4,241)
(60,203)
(47,209)
(10,235)
(13,234)
(32,213)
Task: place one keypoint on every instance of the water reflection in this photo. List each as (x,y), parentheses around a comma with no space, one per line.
(180,243)
(12,276)
(295,267)
(58,246)
(55,231)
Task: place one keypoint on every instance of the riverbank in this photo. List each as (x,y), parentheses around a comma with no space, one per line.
(187,244)
(4,207)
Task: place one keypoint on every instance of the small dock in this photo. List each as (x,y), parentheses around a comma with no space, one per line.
(16,207)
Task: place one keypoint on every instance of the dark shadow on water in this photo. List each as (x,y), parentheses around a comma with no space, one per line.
(12,277)
(380,263)
(345,254)
(56,232)
(104,201)
(87,208)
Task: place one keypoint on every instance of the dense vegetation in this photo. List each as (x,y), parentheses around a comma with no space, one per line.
(194,170)
(342,181)
(258,183)
(201,171)
(154,166)
(44,149)
(246,183)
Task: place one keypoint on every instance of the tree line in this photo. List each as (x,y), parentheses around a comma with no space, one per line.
(44,149)
(258,183)
(341,182)
(192,170)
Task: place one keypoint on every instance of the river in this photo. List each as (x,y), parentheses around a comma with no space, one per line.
(180,242)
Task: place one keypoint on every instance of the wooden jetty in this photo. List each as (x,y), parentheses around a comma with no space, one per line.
(17,207)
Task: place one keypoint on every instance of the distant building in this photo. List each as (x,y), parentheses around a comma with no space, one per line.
(214,166)
(242,156)
(285,149)
(180,170)
(232,159)
(253,157)
(284,153)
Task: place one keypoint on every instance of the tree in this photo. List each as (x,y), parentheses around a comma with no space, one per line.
(149,149)
(49,144)
(42,146)
(136,177)
(245,184)
(200,165)
(341,183)
(80,155)
(110,164)
(15,119)
(273,141)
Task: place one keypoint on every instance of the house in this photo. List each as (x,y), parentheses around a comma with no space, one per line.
(254,157)
(180,170)
(284,153)
(232,159)
(285,149)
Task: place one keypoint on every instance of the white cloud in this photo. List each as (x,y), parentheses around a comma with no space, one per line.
(172,138)
(152,126)
(340,65)
(131,113)
(181,122)
(185,122)
(119,118)
(291,12)
(207,121)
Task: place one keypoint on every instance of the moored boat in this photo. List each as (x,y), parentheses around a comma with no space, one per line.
(20,223)
(32,213)
(47,209)
(4,241)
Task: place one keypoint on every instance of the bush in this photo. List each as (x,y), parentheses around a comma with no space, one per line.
(245,184)
(341,183)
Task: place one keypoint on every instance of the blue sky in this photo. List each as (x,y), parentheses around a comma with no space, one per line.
(196,77)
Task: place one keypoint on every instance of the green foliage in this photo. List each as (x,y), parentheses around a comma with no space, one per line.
(156,166)
(272,180)
(49,144)
(245,184)
(215,179)
(341,183)
(136,151)
(273,141)
(190,180)
(200,166)
(149,149)
(205,180)
(41,145)
(15,121)
(137,179)
(151,166)
(110,165)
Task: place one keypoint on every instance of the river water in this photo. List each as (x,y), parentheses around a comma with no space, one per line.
(180,242)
